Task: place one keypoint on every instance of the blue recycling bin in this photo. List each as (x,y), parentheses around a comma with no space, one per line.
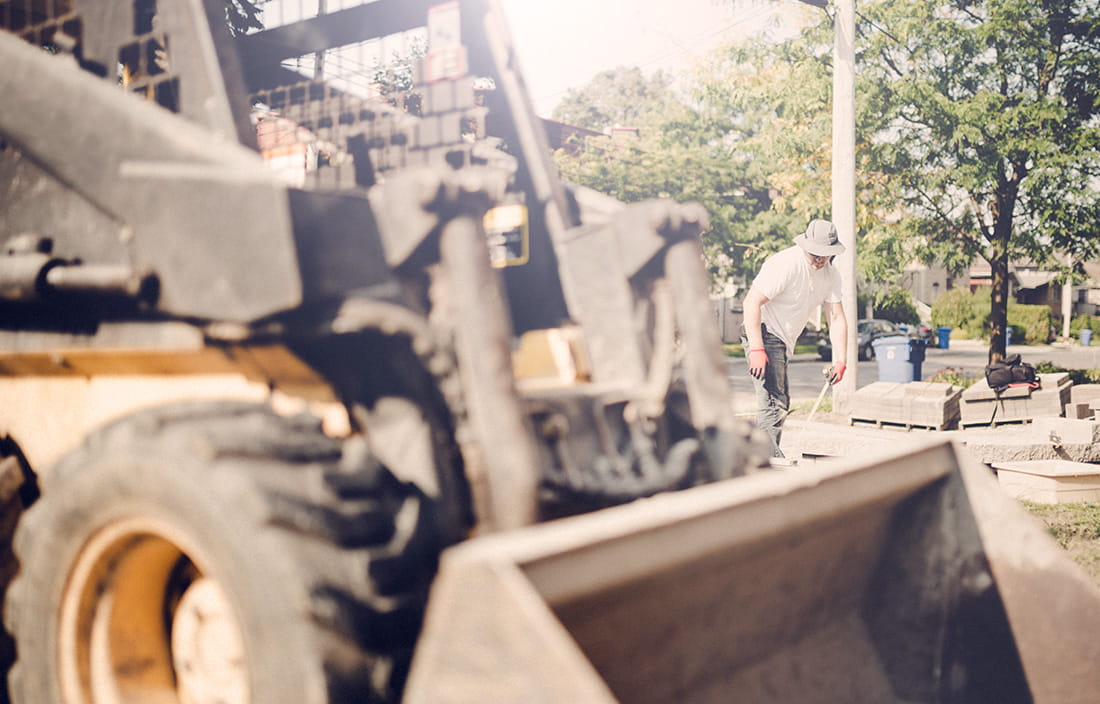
(899,358)
(944,336)
(1086,337)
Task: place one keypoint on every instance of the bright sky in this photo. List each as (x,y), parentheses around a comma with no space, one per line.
(562,44)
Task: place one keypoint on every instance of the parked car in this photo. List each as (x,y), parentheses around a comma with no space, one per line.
(868,331)
(921,332)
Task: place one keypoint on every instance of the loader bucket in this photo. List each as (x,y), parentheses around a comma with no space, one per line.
(910,579)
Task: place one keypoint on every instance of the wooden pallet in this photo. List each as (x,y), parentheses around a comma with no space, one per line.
(996,422)
(876,423)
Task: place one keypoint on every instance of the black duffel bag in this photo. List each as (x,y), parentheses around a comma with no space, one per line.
(1010,371)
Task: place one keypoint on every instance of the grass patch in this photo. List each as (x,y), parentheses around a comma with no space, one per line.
(954,375)
(1077,376)
(1076,527)
(735,349)
(960,377)
(803,408)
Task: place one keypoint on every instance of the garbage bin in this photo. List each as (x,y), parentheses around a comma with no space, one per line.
(899,358)
(944,334)
(1086,337)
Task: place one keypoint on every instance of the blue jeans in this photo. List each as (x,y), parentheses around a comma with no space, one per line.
(773,398)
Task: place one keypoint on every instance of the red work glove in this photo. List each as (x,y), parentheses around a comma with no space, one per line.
(837,373)
(758,360)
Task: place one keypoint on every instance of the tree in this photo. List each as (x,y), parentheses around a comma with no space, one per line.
(621,96)
(778,93)
(242,16)
(984,115)
(681,153)
(769,101)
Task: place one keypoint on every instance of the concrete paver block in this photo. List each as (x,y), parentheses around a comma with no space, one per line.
(1050,481)
(1049,440)
(980,405)
(810,441)
(1068,431)
(918,404)
(1043,439)
(1079,410)
(1080,398)
(1083,393)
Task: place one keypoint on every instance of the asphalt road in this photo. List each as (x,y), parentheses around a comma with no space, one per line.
(969,356)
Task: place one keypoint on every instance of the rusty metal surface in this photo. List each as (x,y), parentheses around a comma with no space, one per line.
(175,196)
(355,265)
(911,578)
(1053,607)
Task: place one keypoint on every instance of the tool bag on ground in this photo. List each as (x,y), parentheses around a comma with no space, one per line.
(1010,371)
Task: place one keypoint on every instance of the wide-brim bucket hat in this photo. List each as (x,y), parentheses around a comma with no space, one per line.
(820,239)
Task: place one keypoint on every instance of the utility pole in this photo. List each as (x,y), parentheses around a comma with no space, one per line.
(1067,304)
(844,184)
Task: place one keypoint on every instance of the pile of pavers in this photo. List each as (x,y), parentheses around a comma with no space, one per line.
(917,404)
(1050,481)
(1052,456)
(1043,439)
(981,405)
(1058,465)
(1084,401)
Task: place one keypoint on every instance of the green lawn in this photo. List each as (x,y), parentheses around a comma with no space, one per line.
(1076,527)
(734,349)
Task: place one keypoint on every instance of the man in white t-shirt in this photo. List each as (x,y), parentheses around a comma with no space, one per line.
(790,285)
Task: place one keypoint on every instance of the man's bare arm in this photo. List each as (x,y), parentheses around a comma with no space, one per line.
(838,331)
(752,303)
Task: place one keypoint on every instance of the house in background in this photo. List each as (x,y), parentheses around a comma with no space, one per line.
(1085,297)
(1032,285)
(926,284)
(571,138)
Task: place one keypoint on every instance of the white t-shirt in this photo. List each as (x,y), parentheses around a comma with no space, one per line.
(793,289)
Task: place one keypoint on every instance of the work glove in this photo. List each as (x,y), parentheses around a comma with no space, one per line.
(836,373)
(758,361)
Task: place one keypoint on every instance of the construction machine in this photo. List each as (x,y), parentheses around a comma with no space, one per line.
(275,331)
(320,386)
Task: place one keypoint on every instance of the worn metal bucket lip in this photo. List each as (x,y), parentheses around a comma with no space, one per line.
(500,596)
(569,558)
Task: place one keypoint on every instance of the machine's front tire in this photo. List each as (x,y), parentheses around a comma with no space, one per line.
(218,553)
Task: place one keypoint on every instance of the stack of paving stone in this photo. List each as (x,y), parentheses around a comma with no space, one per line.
(980,405)
(1054,481)
(1042,439)
(1084,399)
(918,404)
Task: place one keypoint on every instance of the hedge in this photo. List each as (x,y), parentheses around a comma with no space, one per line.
(969,312)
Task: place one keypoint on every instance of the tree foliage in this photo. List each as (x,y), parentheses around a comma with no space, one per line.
(978,136)
(681,152)
(760,182)
(770,103)
(622,96)
(242,16)
(983,116)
